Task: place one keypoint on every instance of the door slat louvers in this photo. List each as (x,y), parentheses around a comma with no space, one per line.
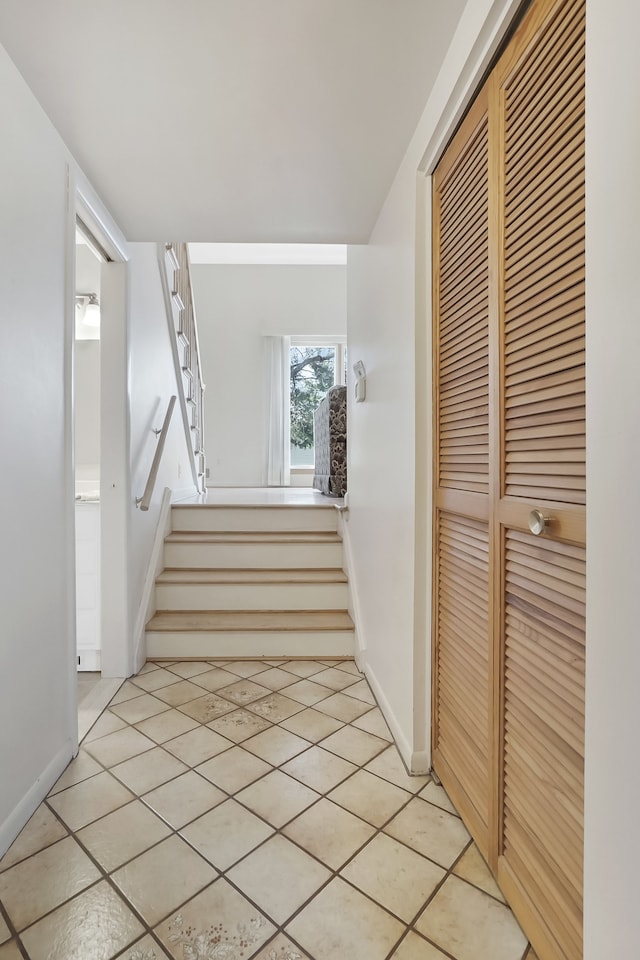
(544,693)
(536,379)
(463,286)
(463,665)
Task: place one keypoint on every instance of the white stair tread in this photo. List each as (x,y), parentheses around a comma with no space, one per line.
(256,575)
(258,506)
(233,536)
(250,620)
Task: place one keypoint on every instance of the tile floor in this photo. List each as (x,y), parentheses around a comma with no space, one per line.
(233,810)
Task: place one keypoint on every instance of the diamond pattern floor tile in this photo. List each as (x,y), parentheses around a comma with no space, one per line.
(341,922)
(248,810)
(162,879)
(279,858)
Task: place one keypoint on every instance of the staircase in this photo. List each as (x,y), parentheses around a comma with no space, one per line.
(252,581)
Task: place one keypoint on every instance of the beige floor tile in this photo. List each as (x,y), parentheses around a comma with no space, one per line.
(275,678)
(304,668)
(239,725)
(44,881)
(154,680)
(89,800)
(133,711)
(247,668)
(123,834)
(165,726)
(362,691)
(128,691)
(472,867)
(145,949)
(218,916)
(429,830)
(281,948)
(214,679)
(119,746)
(279,857)
(234,769)
(435,794)
(182,800)
(93,926)
(106,724)
(329,833)
(349,666)
(312,725)
(5,933)
(179,693)
(162,879)
(414,947)
(189,668)
(149,667)
(342,923)
(390,766)
(471,925)
(369,797)
(343,707)
(277,797)
(226,834)
(308,692)
(276,745)
(243,692)
(207,708)
(10,951)
(83,767)
(395,877)
(319,769)
(373,722)
(197,746)
(353,744)
(336,679)
(39,832)
(275,707)
(149,770)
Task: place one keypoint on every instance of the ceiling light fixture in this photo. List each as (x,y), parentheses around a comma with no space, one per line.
(88,307)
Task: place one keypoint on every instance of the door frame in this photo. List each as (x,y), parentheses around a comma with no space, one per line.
(84,203)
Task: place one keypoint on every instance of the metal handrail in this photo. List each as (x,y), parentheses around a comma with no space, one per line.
(144,501)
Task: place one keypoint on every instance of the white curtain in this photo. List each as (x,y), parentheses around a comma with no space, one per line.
(277,351)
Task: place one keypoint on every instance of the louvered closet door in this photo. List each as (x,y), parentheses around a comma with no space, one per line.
(538,96)
(461,669)
(509,604)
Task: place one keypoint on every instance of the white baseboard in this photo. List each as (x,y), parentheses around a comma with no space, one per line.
(147,606)
(32,799)
(401,741)
(420,762)
(354,605)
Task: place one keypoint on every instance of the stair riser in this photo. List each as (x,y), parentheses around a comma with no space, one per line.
(259,596)
(221,556)
(203,645)
(216,519)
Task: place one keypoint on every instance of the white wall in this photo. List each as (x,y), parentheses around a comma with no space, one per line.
(152,381)
(236,307)
(381,282)
(389,438)
(612,839)
(36,483)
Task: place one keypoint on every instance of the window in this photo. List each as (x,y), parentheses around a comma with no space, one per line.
(315,366)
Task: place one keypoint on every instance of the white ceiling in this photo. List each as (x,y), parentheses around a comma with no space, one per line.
(234,120)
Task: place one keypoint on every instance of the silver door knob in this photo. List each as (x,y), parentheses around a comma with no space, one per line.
(538,522)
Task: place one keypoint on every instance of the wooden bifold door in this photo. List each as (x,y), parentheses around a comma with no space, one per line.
(509,469)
